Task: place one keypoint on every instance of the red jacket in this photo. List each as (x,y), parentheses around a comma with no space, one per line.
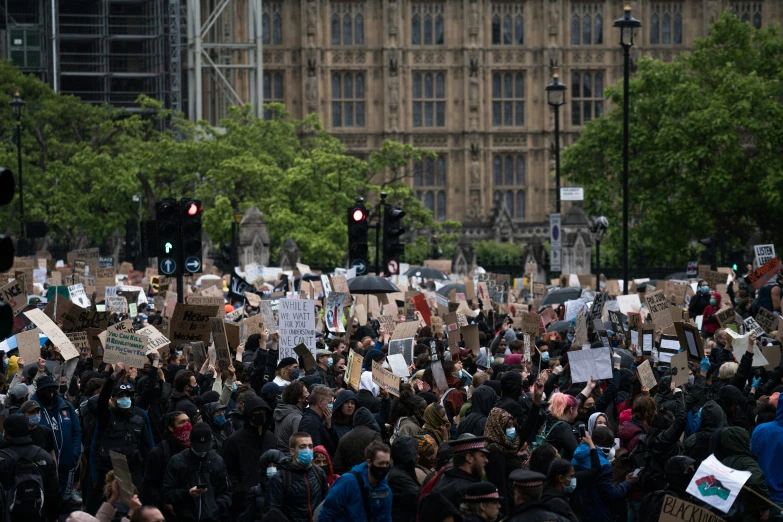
(710,323)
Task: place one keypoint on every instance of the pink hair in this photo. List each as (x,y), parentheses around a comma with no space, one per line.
(559,403)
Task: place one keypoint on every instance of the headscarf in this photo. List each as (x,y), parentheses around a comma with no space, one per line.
(425,442)
(330,476)
(365,383)
(593,419)
(495,431)
(435,421)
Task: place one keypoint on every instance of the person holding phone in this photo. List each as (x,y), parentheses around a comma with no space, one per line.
(196,482)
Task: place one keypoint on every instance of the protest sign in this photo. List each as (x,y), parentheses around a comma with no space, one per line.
(420,303)
(646,331)
(265,311)
(334,311)
(767,320)
(156,341)
(402,347)
(117,304)
(359,311)
(646,375)
(304,354)
(715,278)
(353,370)
(629,303)
(764,273)
(78,295)
(679,365)
(125,347)
(668,348)
(597,309)
(716,484)
(690,338)
(617,322)
(385,379)
(387,324)
(405,330)
(104,277)
(739,345)
(53,332)
(232,335)
(397,363)
(677,510)
(80,342)
(190,323)
(659,308)
(726,316)
(201,300)
(595,363)
(530,323)
(29,345)
(580,332)
(470,336)
(772,355)
(221,342)
(764,253)
(252,325)
(122,475)
(253,299)
(13,294)
(199,354)
(752,326)
(296,318)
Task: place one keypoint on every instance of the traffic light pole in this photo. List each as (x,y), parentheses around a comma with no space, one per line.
(180,263)
(378,229)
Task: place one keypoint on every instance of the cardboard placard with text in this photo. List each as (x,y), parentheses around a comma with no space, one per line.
(190,323)
(530,323)
(53,332)
(767,320)
(29,345)
(156,341)
(726,316)
(658,306)
(353,369)
(221,342)
(385,379)
(678,510)
(125,347)
(79,341)
(13,294)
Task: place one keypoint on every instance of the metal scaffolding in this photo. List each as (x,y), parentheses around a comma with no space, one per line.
(225,57)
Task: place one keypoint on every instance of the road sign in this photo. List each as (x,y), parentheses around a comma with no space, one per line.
(572,194)
(393,267)
(555,259)
(168,266)
(531,267)
(193,264)
(554,231)
(359,265)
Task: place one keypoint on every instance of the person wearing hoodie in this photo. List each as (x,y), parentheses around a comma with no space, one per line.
(679,473)
(298,487)
(482,401)
(322,459)
(362,495)
(288,414)
(350,450)
(697,446)
(402,479)
(767,446)
(342,413)
(710,323)
(700,301)
(183,397)
(243,449)
(596,498)
(215,417)
(733,450)
(60,416)
(236,417)
(317,419)
(176,438)
(257,503)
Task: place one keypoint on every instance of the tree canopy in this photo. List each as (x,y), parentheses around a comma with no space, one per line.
(706,146)
(83,164)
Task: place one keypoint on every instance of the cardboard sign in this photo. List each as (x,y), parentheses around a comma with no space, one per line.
(122,475)
(772,355)
(689,337)
(296,318)
(156,341)
(80,342)
(767,320)
(659,308)
(232,335)
(420,303)
(360,313)
(13,294)
(253,299)
(530,323)
(117,304)
(29,345)
(676,510)
(680,363)
(726,316)
(470,336)
(53,332)
(766,272)
(405,330)
(403,347)
(388,324)
(353,369)
(580,332)
(104,277)
(595,363)
(252,325)
(385,379)
(190,323)
(307,358)
(221,342)
(752,326)
(125,347)
(646,375)
(334,311)
(79,296)
(199,354)
(202,300)
(265,310)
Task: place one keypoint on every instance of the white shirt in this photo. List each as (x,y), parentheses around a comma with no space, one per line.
(280,381)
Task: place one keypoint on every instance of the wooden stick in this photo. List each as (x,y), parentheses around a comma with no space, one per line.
(765,499)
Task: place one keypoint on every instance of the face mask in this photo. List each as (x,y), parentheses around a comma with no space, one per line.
(199,454)
(330,406)
(705,289)
(219,420)
(294,374)
(182,434)
(179,352)
(713,302)
(378,472)
(608,453)
(194,390)
(511,433)
(691,378)
(329,362)
(590,410)
(304,457)
(270,472)
(258,419)
(559,368)
(736,301)
(124,403)
(34,420)
(46,395)
(491,361)
(545,357)
(571,487)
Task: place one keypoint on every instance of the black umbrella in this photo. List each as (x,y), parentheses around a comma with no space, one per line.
(371,285)
(560,296)
(445,290)
(426,272)
(559,326)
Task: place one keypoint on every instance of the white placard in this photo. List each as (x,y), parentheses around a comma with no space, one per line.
(595,363)
(764,253)
(78,296)
(296,320)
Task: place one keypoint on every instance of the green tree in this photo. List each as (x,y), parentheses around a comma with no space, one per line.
(706,137)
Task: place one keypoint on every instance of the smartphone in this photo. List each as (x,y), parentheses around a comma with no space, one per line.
(201,486)
(637,471)
(582,430)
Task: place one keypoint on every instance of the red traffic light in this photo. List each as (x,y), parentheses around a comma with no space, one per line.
(359,215)
(193,209)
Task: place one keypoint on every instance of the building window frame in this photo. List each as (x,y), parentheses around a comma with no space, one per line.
(750,12)
(509,182)
(428,24)
(429,182)
(20,50)
(587,24)
(429,98)
(274,89)
(508,98)
(508,23)
(587,95)
(347,24)
(665,23)
(349,99)
(272,23)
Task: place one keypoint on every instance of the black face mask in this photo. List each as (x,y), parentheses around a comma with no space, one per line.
(378,472)
(258,419)
(46,395)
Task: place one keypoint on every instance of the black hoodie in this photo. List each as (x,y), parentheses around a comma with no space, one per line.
(402,479)
(483,400)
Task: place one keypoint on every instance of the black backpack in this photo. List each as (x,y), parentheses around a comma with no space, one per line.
(24,500)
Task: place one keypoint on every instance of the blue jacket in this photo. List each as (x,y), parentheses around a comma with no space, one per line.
(767,445)
(66,428)
(344,501)
(598,498)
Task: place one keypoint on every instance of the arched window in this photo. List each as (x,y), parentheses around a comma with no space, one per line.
(509,170)
(520,209)
(654,29)
(335,30)
(519,30)
(507,30)
(587,27)
(756,20)
(678,29)
(277,29)
(599,30)
(496,30)
(278,86)
(497,171)
(337,107)
(265,34)
(439,31)
(440,171)
(575,30)
(358,23)
(417,176)
(520,170)
(429,201)
(428,30)
(509,200)
(429,171)
(347,30)
(416,30)
(442,206)
(666,30)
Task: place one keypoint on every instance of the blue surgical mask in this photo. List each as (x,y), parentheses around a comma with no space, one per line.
(219,420)
(705,289)
(571,487)
(491,361)
(736,301)
(304,457)
(124,403)
(294,374)
(199,454)
(330,406)
(511,433)
(234,387)
(545,357)
(691,378)
(329,362)
(270,472)
(713,301)
(179,352)
(34,420)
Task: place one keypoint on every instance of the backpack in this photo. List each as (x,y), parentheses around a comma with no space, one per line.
(542,437)
(24,500)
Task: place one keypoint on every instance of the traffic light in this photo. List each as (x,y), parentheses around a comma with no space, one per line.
(393,248)
(357,237)
(708,255)
(736,258)
(131,240)
(168,241)
(148,238)
(190,212)
(7,190)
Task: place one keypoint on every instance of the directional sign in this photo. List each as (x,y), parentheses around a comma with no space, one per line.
(394,267)
(168,266)
(169,247)
(193,264)
(359,265)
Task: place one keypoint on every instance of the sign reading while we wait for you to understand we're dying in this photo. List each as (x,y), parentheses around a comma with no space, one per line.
(296,322)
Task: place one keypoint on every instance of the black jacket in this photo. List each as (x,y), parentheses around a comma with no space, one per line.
(350,450)
(300,493)
(481,403)
(402,479)
(182,402)
(697,304)
(219,433)
(242,453)
(537,511)
(11,450)
(453,483)
(322,436)
(184,472)
(558,503)
(155,469)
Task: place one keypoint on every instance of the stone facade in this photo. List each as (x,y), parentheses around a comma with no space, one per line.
(466,79)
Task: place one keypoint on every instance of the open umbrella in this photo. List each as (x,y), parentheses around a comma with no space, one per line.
(446,289)
(426,272)
(560,296)
(371,285)
(559,326)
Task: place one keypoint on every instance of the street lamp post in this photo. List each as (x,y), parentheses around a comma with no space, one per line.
(17,104)
(598,228)
(627,25)
(555,97)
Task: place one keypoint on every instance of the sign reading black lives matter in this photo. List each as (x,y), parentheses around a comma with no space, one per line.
(296,322)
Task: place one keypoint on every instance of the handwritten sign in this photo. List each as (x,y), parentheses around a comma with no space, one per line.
(117,304)
(353,369)
(385,379)
(726,316)
(677,510)
(29,345)
(767,320)
(221,342)
(646,375)
(530,323)
(78,295)
(53,332)
(190,323)
(156,341)
(659,308)
(79,340)
(296,320)
(125,347)
(13,294)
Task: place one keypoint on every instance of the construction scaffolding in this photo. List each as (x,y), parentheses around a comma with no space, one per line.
(225,57)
